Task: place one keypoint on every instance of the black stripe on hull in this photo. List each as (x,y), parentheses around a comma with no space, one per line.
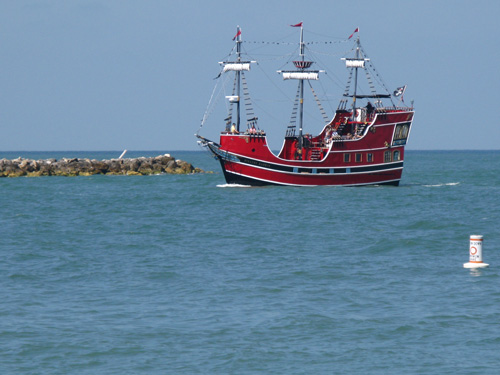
(329,170)
(222,156)
(232,178)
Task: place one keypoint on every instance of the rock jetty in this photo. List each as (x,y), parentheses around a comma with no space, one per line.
(87,167)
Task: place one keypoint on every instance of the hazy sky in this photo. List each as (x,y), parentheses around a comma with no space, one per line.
(137,75)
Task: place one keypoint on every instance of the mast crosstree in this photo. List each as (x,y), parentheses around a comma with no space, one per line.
(239,66)
(301,74)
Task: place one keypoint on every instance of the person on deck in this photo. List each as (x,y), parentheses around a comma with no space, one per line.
(298,154)
(369,110)
(233,129)
(328,136)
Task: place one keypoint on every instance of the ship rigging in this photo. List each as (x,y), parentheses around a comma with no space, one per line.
(361,144)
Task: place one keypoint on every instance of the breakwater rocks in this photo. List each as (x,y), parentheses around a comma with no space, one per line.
(87,167)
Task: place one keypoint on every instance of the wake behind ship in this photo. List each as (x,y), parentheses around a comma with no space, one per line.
(362,145)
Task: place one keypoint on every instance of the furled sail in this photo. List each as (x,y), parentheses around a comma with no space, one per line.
(233,98)
(355,63)
(301,75)
(237,67)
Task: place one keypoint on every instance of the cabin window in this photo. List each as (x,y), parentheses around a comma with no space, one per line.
(347,158)
(358,158)
(369,158)
(402,131)
(387,157)
(401,134)
(396,156)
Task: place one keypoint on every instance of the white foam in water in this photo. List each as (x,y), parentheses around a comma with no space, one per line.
(446,184)
(233,186)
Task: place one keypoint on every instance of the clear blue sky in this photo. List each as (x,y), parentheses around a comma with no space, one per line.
(137,75)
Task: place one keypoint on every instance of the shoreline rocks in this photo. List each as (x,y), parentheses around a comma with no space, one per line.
(87,167)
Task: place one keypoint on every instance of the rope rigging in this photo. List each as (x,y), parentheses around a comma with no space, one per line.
(321,109)
(375,72)
(371,73)
(293,118)
(212,103)
(251,119)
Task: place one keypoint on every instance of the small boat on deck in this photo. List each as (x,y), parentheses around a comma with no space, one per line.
(363,144)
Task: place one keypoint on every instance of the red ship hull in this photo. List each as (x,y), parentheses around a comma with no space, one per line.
(374,158)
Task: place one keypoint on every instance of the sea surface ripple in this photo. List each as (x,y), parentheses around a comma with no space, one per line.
(184,274)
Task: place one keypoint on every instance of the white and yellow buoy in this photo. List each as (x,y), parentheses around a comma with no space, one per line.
(476,252)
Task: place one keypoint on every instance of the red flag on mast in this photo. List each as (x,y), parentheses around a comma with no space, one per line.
(237,34)
(355,31)
(297,25)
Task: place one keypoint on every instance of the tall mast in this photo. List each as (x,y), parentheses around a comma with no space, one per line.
(355,82)
(301,87)
(238,77)
(358,61)
(237,66)
(301,74)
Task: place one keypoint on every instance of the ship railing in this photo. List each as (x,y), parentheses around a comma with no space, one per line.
(394,108)
(257,133)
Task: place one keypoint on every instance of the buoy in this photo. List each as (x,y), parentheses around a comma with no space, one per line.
(476,252)
(123,154)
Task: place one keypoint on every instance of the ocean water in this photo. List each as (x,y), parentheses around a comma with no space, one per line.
(176,274)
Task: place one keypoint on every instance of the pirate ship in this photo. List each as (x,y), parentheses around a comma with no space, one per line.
(363,144)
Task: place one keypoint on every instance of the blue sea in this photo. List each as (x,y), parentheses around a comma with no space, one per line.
(183,274)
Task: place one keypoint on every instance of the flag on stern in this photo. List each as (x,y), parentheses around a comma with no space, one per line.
(399,91)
